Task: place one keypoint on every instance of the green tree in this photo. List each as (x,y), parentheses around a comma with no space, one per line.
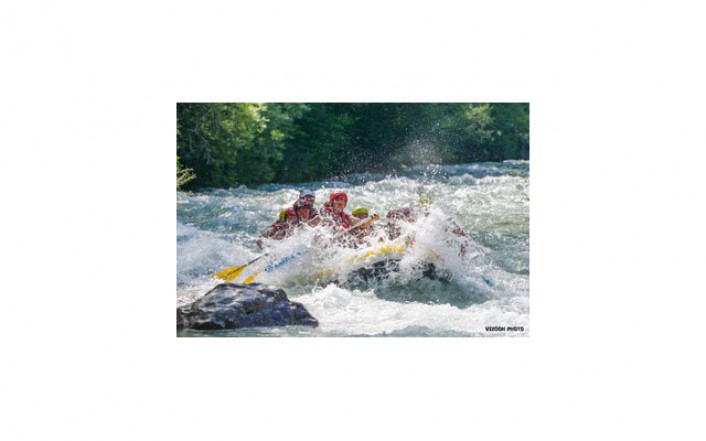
(510,131)
(184,175)
(321,144)
(229,144)
(274,144)
(213,138)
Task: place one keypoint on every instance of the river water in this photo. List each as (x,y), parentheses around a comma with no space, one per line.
(482,292)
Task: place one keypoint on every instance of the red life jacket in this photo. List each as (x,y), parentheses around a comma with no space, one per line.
(342,219)
(289,212)
(313,212)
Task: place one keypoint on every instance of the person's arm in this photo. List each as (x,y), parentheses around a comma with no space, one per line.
(276,231)
(313,222)
(264,235)
(270,231)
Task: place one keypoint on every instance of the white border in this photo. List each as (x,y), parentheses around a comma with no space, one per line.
(88,110)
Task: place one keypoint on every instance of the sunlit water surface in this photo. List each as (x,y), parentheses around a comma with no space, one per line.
(488,287)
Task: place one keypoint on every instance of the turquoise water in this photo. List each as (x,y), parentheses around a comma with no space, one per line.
(487,287)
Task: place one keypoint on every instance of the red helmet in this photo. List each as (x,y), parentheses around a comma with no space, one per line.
(338,194)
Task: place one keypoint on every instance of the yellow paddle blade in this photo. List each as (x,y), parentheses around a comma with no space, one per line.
(252,276)
(230,273)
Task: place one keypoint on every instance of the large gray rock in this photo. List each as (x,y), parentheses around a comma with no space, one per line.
(232,305)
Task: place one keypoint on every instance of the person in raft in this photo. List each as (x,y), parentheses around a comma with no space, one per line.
(333,215)
(332,211)
(278,230)
(301,212)
(394,217)
(412,214)
(304,213)
(360,213)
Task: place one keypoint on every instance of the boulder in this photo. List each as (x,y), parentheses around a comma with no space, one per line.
(233,305)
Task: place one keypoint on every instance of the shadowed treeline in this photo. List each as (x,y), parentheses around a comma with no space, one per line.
(230,144)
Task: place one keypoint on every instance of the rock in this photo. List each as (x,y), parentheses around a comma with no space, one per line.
(233,305)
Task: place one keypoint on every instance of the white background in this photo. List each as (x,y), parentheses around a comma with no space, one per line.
(87,136)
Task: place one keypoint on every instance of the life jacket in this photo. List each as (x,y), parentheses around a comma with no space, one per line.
(289,214)
(313,212)
(342,219)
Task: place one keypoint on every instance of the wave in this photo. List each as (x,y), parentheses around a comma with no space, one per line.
(489,282)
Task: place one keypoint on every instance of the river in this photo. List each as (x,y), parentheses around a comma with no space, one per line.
(482,292)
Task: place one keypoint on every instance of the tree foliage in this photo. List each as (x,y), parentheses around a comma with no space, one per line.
(184,175)
(230,144)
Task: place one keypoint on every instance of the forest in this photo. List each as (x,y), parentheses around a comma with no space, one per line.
(225,145)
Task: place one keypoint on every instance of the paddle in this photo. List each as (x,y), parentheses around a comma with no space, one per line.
(270,268)
(364,222)
(230,273)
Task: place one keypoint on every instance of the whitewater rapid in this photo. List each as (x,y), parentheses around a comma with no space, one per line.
(484,293)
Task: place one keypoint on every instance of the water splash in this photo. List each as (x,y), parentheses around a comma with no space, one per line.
(487,285)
